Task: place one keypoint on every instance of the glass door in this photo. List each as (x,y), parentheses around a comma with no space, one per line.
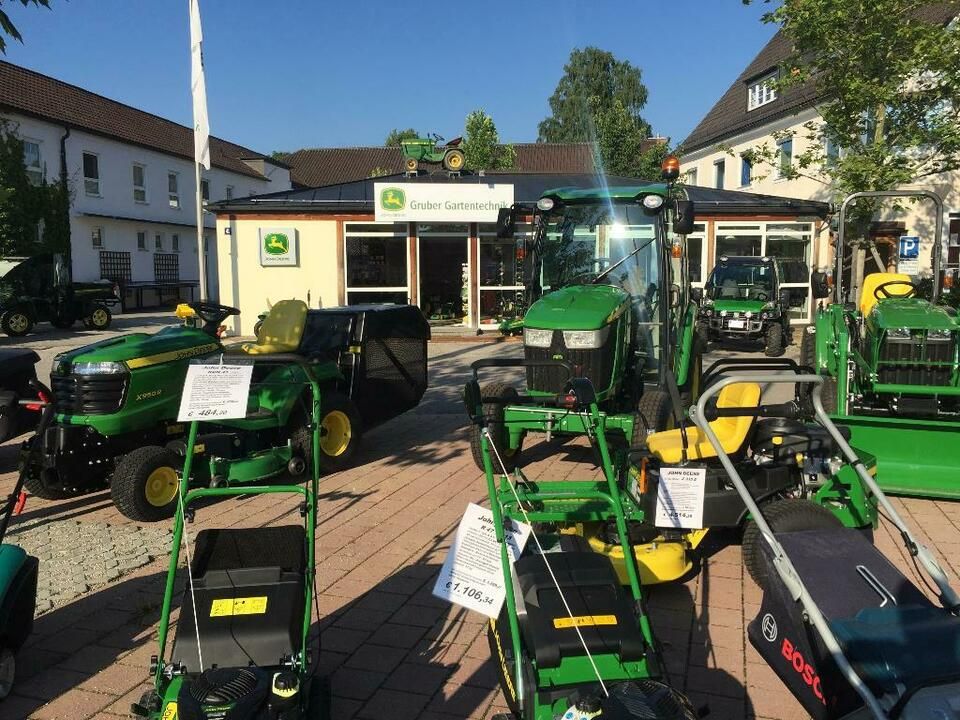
(443,272)
(500,274)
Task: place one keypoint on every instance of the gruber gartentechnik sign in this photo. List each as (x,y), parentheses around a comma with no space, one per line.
(278,246)
(441,202)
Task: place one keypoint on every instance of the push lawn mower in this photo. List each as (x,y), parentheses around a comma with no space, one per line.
(846,631)
(571,641)
(240,649)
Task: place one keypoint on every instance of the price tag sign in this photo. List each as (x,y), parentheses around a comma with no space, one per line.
(472,575)
(215,392)
(680,494)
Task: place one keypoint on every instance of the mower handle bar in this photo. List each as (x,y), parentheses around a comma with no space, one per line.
(789,410)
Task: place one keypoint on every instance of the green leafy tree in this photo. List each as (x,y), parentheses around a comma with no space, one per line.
(481,144)
(623,142)
(396,135)
(592,79)
(6,24)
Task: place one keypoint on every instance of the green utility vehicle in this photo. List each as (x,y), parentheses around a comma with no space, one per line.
(432,149)
(39,289)
(890,360)
(744,300)
(608,267)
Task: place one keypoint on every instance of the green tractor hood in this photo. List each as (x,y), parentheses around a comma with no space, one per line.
(734,306)
(577,307)
(140,349)
(912,313)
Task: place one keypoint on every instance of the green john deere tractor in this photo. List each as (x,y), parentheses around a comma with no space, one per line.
(890,360)
(611,300)
(432,149)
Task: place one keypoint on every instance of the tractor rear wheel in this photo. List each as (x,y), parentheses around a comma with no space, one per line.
(453,160)
(653,413)
(16,322)
(99,318)
(339,433)
(774,340)
(146,482)
(495,396)
(785,515)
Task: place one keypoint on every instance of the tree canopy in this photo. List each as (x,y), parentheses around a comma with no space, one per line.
(481,144)
(396,135)
(7,28)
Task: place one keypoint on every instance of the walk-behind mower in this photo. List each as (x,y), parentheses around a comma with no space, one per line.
(610,296)
(848,633)
(570,641)
(889,357)
(240,648)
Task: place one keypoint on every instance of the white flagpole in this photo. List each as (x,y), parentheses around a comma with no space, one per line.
(201,129)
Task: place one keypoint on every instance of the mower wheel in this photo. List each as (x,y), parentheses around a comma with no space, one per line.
(653,414)
(8,671)
(339,433)
(16,322)
(145,483)
(785,515)
(98,319)
(35,485)
(496,396)
(774,338)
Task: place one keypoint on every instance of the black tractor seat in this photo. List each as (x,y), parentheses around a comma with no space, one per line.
(785,437)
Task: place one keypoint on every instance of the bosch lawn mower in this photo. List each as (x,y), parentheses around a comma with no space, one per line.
(240,648)
(571,641)
(848,633)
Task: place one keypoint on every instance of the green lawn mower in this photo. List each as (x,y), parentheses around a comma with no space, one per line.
(240,651)
(744,300)
(570,642)
(612,300)
(889,358)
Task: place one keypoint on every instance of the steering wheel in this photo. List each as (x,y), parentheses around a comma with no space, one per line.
(882,293)
(212,313)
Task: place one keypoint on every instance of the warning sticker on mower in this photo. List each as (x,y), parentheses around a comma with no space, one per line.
(170,711)
(680,495)
(584,621)
(239,606)
(215,392)
(472,574)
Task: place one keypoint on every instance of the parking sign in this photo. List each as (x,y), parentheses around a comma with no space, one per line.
(909,255)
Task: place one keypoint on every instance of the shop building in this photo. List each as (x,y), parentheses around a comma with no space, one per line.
(431,241)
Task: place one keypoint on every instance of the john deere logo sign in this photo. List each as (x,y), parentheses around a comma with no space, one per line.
(278,247)
(393,198)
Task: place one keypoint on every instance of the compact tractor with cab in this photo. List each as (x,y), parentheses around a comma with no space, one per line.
(890,365)
(610,297)
(743,300)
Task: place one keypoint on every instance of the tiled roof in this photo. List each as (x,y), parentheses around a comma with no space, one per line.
(729,116)
(30,93)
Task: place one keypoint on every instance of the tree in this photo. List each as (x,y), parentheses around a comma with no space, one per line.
(481,144)
(6,24)
(623,142)
(592,79)
(396,135)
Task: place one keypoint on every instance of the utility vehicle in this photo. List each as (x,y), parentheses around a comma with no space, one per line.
(849,634)
(744,300)
(432,149)
(889,358)
(570,640)
(241,644)
(17,375)
(610,297)
(39,289)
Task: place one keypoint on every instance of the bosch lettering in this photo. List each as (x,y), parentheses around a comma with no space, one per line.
(802,668)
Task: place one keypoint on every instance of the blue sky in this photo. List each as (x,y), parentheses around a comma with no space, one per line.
(286,74)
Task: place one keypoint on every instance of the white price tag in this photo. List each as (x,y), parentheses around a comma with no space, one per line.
(215,392)
(737,324)
(472,575)
(680,494)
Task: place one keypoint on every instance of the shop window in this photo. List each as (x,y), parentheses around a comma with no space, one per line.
(376,262)
(501,272)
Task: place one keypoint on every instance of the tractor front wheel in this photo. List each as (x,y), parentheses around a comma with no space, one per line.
(495,396)
(98,319)
(16,322)
(453,160)
(339,433)
(411,165)
(774,340)
(785,515)
(653,414)
(145,484)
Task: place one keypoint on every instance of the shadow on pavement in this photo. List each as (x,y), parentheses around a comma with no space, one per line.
(45,332)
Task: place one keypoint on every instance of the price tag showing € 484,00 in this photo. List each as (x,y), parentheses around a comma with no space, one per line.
(215,392)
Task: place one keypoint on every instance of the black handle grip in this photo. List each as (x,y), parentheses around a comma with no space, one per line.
(789,410)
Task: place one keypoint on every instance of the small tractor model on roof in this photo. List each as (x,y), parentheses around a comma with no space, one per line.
(744,300)
(432,149)
(892,375)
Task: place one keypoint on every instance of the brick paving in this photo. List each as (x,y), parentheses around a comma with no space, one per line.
(390,648)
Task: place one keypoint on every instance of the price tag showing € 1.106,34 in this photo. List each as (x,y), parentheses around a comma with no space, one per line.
(215,392)
(680,494)
(472,574)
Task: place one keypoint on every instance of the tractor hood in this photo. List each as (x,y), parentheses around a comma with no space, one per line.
(912,313)
(577,307)
(142,349)
(733,306)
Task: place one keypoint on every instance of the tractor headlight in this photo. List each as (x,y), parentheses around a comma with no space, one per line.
(723,313)
(748,314)
(99,368)
(585,339)
(938,335)
(652,202)
(898,333)
(535,337)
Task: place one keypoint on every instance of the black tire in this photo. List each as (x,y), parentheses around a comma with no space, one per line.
(497,395)
(786,515)
(133,479)
(453,161)
(33,482)
(99,318)
(808,349)
(774,340)
(411,165)
(16,322)
(654,413)
(339,421)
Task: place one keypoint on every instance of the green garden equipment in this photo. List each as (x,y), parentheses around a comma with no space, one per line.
(432,149)
(17,376)
(889,358)
(240,650)
(570,640)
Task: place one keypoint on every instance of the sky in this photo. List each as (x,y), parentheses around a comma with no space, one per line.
(288,74)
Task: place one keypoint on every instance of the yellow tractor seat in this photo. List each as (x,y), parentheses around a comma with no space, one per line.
(868,297)
(281,330)
(732,432)
(184,311)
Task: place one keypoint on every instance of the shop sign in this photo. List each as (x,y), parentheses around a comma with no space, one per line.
(278,247)
(441,202)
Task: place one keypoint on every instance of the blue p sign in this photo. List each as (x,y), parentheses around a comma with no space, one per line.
(909,247)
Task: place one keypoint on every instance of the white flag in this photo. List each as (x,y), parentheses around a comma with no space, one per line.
(201,124)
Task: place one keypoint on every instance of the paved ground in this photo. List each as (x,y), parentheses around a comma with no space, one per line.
(390,648)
